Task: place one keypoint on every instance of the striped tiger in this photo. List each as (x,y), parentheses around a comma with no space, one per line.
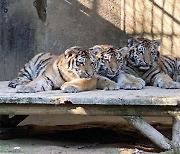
(112,61)
(73,71)
(145,61)
(170,64)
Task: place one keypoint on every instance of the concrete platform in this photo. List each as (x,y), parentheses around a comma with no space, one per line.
(130,104)
(147,96)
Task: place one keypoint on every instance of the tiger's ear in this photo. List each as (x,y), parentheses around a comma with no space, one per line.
(95,49)
(131,42)
(68,53)
(157,43)
(72,51)
(124,51)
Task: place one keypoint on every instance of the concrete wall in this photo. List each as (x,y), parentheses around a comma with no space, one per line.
(59,24)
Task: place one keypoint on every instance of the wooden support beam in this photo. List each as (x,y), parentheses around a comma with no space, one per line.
(92,110)
(15,120)
(148,131)
(176,134)
(5,121)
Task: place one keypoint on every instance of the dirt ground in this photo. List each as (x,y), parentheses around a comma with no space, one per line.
(32,140)
(35,146)
(39,146)
(85,138)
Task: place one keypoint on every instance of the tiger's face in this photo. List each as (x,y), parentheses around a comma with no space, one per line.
(111,59)
(81,62)
(143,52)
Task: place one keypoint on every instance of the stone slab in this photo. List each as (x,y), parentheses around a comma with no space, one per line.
(147,96)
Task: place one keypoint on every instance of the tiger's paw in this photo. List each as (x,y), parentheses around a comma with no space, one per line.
(130,86)
(169,85)
(25,89)
(136,85)
(69,89)
(13,83)
(111,86)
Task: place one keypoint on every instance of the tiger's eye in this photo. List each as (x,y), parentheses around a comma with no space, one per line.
(106,57)
(81,60)
(141,49)
(136,56)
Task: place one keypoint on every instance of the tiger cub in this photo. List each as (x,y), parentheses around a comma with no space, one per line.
(73,71)
(145,61)
(170,64)
(112,62)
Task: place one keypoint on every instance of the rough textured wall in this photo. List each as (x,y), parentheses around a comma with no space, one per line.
(18,41)
(154,19)
(71,22)
(143,18)
(28,27)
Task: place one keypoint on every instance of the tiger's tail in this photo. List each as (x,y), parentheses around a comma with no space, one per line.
(31,70)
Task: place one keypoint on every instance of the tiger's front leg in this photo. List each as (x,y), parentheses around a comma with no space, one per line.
(83,84)
(130,82)
(79,84)
(163,80)
(18,81)
(106,84)
(41,83)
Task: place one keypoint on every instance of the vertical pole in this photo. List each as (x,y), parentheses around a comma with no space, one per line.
(176,134)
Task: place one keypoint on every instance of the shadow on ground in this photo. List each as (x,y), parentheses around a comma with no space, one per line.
(86,138)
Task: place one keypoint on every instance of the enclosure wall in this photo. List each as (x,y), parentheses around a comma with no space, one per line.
(28,27)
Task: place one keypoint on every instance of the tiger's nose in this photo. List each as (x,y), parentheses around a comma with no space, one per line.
(113,71)
(89,74)
(142,63)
